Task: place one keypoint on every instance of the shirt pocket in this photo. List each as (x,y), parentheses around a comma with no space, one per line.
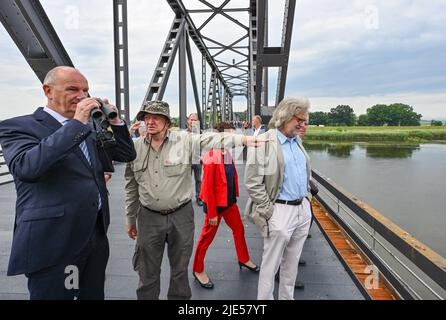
(174,166)
(173,169)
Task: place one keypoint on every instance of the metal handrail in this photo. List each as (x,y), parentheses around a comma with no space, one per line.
(368,216)
(6,173)
(386,249)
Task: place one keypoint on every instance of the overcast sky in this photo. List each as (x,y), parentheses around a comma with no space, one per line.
(343,52)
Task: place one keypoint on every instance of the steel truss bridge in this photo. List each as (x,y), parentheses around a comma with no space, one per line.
(246,74)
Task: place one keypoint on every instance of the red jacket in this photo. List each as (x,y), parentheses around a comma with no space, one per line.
(214,191)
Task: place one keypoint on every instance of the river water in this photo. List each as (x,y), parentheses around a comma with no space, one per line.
(405,182)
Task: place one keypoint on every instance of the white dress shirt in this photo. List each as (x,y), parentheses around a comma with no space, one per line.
(257,131)
(60,118)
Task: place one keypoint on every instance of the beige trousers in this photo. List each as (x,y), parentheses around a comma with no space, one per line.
(289,227)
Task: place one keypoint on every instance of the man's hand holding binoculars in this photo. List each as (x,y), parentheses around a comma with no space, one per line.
(83,109)
(86,105)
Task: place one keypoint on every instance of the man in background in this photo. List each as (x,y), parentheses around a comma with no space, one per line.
(257,129)
(193,127)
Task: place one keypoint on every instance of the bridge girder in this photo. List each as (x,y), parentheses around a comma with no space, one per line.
(31,30)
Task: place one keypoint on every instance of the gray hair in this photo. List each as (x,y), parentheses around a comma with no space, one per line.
(258,118)
(287,109)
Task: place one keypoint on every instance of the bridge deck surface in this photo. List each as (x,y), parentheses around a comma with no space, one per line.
(324,276)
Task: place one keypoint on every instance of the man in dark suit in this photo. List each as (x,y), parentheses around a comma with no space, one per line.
(62,210)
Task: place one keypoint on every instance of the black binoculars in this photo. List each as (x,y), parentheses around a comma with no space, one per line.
(104,111)
(101,117)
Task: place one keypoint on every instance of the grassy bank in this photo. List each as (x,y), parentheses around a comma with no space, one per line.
(414,134)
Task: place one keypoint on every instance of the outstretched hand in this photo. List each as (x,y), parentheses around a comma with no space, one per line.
(252,141)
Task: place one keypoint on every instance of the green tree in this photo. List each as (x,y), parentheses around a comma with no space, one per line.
(175,122)
(378,115)
(403,115)
(396,114)
(436,123)
(342,115)
(319,118)
(363,120)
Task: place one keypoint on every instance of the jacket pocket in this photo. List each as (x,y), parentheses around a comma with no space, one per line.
(265,210)
(32,214)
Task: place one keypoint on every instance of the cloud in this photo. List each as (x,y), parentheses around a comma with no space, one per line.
(337,52)
(357,51)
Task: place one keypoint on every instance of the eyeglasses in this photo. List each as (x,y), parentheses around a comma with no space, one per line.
(301,122)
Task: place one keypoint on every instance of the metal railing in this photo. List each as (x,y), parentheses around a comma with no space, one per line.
(5,176)
(410,267)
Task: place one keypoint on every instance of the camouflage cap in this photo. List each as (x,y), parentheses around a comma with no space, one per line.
(154,107)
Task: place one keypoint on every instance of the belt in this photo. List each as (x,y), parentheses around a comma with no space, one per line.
(290,202)
(166,212)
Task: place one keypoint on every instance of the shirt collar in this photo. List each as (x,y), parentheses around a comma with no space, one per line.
(282,138)
(146,139)
(60,118)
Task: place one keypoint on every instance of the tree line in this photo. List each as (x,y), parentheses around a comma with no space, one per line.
(396,114)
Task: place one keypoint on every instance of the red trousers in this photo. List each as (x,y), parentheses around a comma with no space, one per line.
(233,220)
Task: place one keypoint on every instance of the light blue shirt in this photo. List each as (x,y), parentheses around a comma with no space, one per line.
(295,176)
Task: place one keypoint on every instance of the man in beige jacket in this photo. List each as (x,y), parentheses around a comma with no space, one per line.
(277,179)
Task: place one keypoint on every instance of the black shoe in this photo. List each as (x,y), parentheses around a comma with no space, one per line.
(208,285)
(199,202)
(299,285)
(255,269)
(302,263)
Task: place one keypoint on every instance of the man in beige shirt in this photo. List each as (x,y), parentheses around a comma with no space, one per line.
(158,199)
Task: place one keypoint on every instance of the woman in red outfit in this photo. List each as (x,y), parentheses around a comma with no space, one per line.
(219,192)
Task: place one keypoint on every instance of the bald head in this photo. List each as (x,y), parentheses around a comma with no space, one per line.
(64,87)
(56,73)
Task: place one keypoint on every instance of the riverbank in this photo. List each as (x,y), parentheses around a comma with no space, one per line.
(400,134)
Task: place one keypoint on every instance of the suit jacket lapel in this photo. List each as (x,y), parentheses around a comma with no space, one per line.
(91,145)
(47,120)
(77,150)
